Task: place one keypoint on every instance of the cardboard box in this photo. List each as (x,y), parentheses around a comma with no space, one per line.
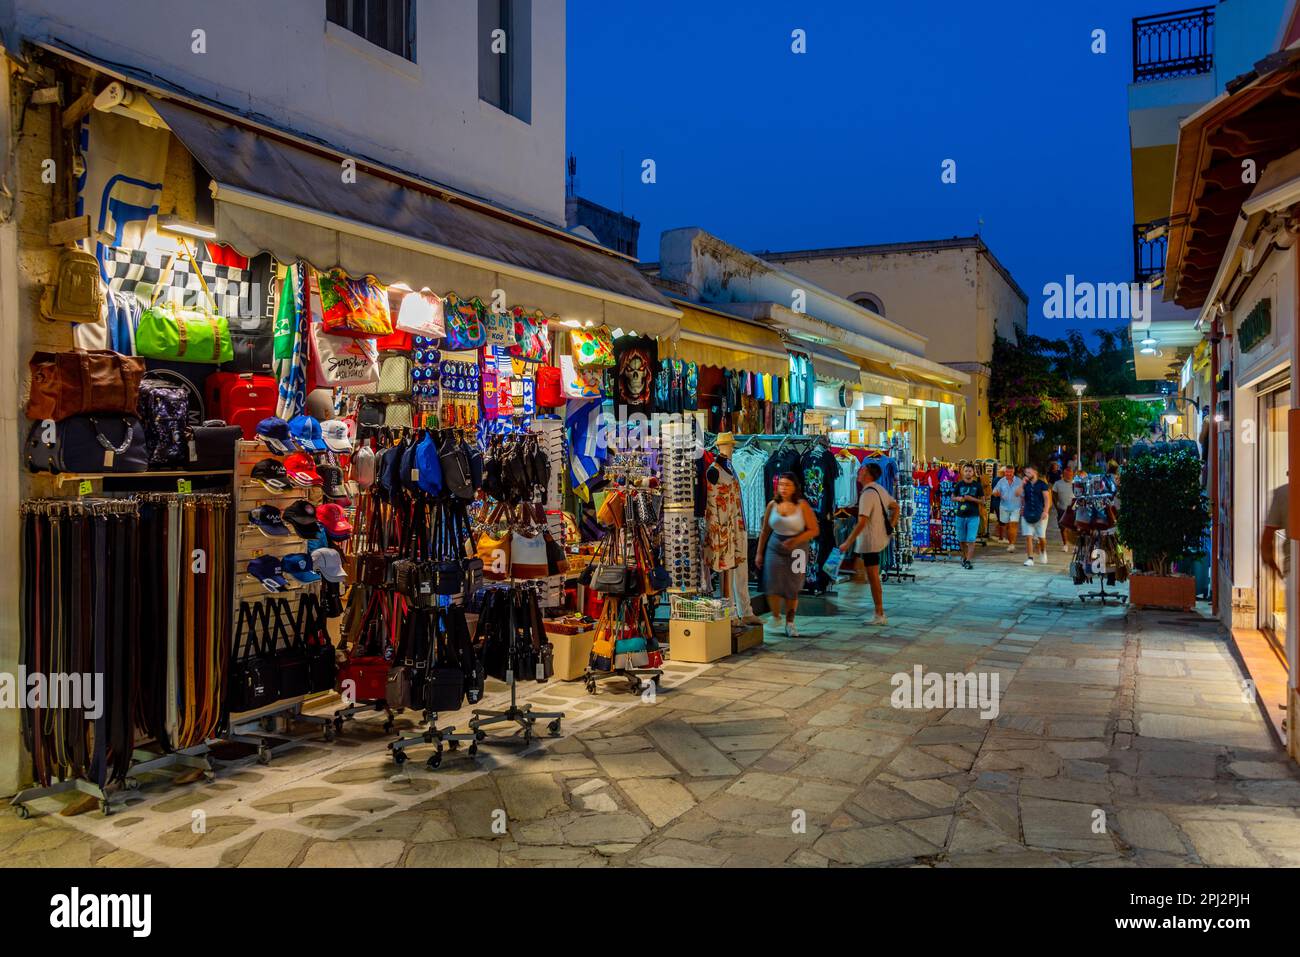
(742,639)
(699,641)
(571,653)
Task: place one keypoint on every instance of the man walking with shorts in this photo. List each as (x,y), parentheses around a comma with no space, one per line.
(1036,496)
(967,494)
(1008,492)
(877,519)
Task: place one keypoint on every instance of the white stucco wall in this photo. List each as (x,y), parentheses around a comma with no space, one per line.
(282,62)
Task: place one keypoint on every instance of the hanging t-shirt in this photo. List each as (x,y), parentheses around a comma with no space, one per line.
(749,464)
(636,361)
(820,470)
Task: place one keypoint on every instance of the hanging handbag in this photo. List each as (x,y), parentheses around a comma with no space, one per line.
(316,644)
(250,683)
(527,556)
(454,462)
(71,383)
(550,392)
(212,446)
(499,329)
(397,415)
(557,562)
(76,295)
(293,676)
(353,307)
(421,314)
(395,376)
(339,361)
(529,340)
(465,321)
(593,347)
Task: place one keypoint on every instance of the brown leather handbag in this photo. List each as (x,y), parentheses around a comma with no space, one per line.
(81,381)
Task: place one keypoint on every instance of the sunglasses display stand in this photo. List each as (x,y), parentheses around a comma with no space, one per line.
(902,553)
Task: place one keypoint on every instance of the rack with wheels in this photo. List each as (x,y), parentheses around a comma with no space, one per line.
(431,735)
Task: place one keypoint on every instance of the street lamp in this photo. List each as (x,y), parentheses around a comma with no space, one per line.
(1079,387)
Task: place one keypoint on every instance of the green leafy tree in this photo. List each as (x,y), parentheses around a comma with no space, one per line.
(1163,513)
(1025,392)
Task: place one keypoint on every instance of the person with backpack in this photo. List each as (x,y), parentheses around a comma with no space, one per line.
(877,516)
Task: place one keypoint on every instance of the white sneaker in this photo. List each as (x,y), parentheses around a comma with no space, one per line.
(880,620)
(791,630)
(1066,549)
(1011,548)
(1042,557)
(1029,563)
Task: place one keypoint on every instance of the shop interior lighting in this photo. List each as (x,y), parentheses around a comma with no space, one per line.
(1149,341)
(120,99)
(175,225)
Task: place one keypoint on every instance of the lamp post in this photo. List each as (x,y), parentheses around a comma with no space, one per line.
(1080,387)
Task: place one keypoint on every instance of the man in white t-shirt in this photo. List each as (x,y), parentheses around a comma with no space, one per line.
(870,536)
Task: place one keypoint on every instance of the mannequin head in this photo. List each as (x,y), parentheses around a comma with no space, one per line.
(726,444)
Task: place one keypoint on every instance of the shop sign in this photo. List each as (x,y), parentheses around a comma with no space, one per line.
(1257,326)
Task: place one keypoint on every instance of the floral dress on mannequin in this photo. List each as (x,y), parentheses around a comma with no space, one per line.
(725,537)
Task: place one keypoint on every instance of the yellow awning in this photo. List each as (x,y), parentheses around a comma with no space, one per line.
(712,339)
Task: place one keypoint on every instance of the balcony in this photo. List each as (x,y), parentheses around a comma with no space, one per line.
(1148,254)
(1171,45)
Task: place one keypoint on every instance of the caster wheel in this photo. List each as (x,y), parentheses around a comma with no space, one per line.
(132,784)
(105,808)
(528,737)
(388,726)
(263,756)
(435,760)
(22,811)
(480,735)
(338,725)
(554,728)
(329,732)
(473,750)
(428,737)
(634,684)
(453,745)
(399,757)
(591,687)
(658,680)
(209,776)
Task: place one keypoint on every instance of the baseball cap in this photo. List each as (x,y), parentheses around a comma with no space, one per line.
(302,470)
(271,475)
(266,569)
(298,565)
(267,520)
(329,563)
(363,467)
(331,477)
(335,435)
(306,433)
(274,432)
(301,517)
(334,520)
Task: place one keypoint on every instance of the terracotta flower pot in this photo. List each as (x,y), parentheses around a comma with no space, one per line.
(1174,592)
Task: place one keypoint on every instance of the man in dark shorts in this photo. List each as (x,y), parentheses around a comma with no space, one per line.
(870,536)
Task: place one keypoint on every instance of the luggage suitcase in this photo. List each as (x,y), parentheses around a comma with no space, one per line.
(241,399)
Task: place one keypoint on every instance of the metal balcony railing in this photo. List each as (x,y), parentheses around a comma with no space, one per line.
(1173,44)
(1148,254)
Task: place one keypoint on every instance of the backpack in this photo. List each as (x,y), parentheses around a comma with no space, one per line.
(169,407)
(242,399)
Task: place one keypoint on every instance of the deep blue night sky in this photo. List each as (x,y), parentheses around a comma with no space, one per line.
(843,145)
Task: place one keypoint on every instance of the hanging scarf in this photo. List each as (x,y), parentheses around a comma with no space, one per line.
(292,342)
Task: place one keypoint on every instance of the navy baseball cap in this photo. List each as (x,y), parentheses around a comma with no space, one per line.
(271,474)
(275,433)
(307,434)
(268,520)
(266,569)
(299,565)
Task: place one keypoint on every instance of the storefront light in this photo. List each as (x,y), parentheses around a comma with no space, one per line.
(1148,341)
(1147,351)
(175,225)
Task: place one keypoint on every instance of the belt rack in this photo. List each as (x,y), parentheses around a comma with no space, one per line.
(143,761)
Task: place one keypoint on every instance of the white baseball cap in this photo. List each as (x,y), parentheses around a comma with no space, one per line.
(336,436)
(329,564)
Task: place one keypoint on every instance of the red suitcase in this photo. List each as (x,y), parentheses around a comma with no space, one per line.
(241,398)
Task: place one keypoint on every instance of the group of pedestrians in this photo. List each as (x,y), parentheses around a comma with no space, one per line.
(1022,500)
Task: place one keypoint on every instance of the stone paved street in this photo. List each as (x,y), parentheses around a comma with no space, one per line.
(1123,740)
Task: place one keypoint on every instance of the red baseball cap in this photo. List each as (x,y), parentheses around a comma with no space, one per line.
(302,470)
(335,520)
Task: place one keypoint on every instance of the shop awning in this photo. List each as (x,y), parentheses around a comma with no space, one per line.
(713,339)
(877,378)
(828,363)
(275,195)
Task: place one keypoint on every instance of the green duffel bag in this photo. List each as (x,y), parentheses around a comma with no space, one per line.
(183,335)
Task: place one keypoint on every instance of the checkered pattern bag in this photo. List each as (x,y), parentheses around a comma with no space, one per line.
(138,271)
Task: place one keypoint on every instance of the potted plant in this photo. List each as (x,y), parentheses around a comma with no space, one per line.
(1162,519)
